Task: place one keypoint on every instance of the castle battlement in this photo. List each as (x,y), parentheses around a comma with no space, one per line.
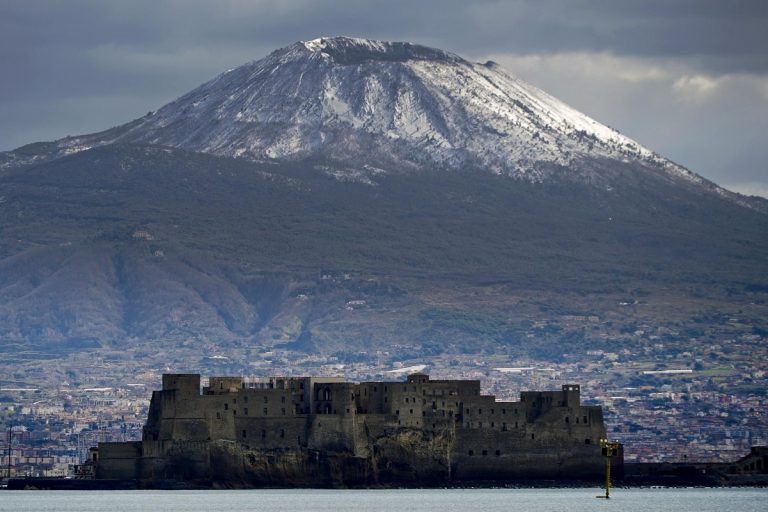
(441,429)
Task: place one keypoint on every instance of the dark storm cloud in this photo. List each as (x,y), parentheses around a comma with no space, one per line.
(83,65)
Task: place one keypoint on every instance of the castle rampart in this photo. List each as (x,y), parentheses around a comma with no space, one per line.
(320,431)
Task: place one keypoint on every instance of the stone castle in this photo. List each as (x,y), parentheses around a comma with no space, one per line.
(311,431)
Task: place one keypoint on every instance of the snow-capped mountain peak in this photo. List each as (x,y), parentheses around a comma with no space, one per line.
(390,105)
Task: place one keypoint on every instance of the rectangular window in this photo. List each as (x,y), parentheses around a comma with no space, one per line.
(226,407)
(282,433)
(245,411)
(263,434)
(244,434)
(265,411)
(266,399)
(283,411)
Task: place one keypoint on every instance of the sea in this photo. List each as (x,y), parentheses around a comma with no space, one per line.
(400,500)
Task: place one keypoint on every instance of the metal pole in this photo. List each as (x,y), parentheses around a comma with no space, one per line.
(608,450)
(10,439)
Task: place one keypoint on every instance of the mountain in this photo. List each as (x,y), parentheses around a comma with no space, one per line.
(341,193)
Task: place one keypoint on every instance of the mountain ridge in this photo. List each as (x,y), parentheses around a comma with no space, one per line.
(394,105)
(406,200)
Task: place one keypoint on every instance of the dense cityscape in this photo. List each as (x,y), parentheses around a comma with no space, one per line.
(663,408)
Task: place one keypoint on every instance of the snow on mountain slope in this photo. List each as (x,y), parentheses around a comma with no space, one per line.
(383,104)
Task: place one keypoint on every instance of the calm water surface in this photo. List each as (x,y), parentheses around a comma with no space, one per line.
(452,500)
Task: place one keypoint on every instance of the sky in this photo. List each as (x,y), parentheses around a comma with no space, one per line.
(685,78)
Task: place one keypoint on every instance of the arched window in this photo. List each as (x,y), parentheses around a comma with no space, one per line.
(326,394)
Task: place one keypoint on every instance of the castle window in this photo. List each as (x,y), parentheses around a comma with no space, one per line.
(226,407)
(234,400)
(244,434)
(397,412)
(245,411)
(531,436)
(282,433)
(585,419)
(485,452)
(266,411)
(282,399)
(385,399)
(218,415)
(283,411)
(411,411)
(301,385)
(245,399)
(471,452)
(503,411)
(234,412)
(493,424)
(263,434)
(498,453)
(567,420)
(515,424)
(266,399)
(577,420)
(385,389)
(375,389)
(504,427)
(479,411)
(587,441)
(492,411)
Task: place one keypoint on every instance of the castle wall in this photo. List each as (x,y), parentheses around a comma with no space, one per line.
(299,429)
